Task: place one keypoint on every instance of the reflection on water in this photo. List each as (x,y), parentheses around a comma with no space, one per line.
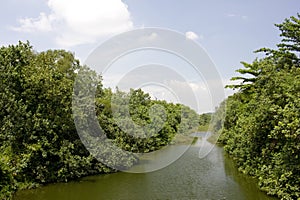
(157,160)
(212,177)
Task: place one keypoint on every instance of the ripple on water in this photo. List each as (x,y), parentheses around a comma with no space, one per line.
(212,177)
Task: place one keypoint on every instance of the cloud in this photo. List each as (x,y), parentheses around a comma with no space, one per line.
(75,22)
(43,23)
(244,17)
(231,15)
(191,35)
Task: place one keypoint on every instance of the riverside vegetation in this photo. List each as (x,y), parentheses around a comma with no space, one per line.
(39,144)
(260,127)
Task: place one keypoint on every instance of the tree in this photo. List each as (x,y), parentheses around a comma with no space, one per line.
(38,139)
(261,129)
(43,94)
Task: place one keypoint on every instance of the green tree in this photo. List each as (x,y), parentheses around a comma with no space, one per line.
(39,142)
(43,94)
(261,129)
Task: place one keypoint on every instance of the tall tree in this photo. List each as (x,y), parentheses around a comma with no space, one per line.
(261,128)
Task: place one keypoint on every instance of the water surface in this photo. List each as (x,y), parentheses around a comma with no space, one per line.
(213,177)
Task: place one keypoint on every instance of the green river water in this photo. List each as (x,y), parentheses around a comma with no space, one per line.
(213,177)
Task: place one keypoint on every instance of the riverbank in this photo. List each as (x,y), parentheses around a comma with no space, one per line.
(182,139)
(213,177)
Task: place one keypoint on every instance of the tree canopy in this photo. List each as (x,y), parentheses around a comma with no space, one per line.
(38,139)
(261,128)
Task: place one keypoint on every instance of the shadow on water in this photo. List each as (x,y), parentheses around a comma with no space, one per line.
(212,177)
(247,184)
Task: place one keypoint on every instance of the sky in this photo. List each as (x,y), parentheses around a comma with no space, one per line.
(229,31)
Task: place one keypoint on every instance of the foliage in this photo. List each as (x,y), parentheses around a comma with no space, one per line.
(39,143)
(204,121)
(189,121)
(261,129)
(138,124)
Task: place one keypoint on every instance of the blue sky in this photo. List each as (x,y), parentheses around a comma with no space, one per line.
(229,30)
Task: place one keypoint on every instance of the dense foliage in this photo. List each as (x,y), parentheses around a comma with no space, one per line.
(126,119)
(260,126)
(38,139)
(138,124)
(205,121)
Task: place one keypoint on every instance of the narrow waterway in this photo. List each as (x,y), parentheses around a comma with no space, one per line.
(213,177)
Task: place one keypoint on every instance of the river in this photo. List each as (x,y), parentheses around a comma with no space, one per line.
(213,177)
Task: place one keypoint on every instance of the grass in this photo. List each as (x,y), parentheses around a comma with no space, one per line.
(203,128)
(184,139)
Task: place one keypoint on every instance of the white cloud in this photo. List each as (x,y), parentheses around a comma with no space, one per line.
(198,86)
(231,15)
(151,37)
(42,23)
(191,35)
(244,17)
(76,22)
